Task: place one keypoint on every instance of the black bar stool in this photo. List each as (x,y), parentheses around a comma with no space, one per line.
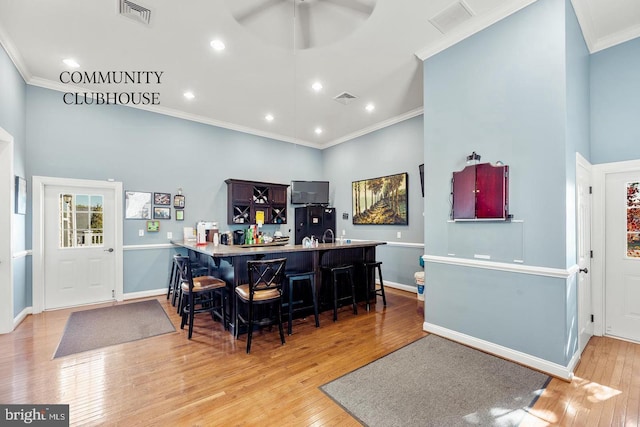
(174,287)
(174,281)
(203,294)
(301,278)
(345,271)
(266,278)
(370,273)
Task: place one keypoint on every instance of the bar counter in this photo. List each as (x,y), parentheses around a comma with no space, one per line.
(229,262)
(229,251)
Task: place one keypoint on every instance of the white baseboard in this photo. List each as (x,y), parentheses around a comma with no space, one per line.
(145,294)
(400,286)
(553,369)
(21,316)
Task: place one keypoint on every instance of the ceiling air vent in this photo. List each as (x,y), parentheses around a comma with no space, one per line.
(451,17)
(135,11)
(344,98)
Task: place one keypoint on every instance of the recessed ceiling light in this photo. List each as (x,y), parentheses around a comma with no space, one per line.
(217,44)
(317,86)
(318,131)
(268,117)
(189,95)
(70,62)
(370,107)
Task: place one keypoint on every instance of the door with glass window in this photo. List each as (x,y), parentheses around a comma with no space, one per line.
(622,239)
(79,236)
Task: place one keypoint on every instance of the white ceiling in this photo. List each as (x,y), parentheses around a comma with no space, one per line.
(371,49)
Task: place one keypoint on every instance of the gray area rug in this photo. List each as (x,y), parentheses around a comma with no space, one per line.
(437,382)
(101,327)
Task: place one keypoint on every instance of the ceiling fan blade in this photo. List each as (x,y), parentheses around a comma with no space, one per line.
(249,13)
(304,25)
(364,7)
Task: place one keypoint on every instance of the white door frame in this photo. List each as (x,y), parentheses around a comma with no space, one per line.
(39,184)
(600,173)
(7,188)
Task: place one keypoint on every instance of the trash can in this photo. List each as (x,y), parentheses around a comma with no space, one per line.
(419,276)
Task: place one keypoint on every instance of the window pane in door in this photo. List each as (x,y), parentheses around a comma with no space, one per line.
(82,202)
(633,220)
(81,218)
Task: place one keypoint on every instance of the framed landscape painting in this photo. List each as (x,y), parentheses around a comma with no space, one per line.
(381,201)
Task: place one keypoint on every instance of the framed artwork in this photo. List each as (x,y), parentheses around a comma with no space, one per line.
(21,196)
(137,205)
(161,213)
(179,215)
(381,201)
(153,225)
(162,199)
(178,201)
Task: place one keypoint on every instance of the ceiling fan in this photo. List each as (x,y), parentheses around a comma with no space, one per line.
(301,24)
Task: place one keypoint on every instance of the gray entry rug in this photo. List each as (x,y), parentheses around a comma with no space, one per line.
(102,327)
(437,382)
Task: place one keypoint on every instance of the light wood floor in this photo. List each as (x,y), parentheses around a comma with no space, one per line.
(210,380)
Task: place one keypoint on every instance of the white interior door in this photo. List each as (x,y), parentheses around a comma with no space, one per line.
(79,240)
(622,265)
(583,207)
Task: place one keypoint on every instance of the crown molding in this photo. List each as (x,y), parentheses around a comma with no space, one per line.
(471,27)
(595,44)
(616,39)
(392,121)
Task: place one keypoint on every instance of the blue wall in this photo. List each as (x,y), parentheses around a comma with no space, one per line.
(615,105)
(391,150)
(504,94)
(13,119)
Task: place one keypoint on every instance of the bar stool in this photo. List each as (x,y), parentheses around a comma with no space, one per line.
(301,278)
(368,274)
(266,278)
(203,294)
(174,281)
(346,272)
(174,288)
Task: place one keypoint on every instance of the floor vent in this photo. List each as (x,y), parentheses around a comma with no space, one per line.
(345,98)
(135,12)
(451,17)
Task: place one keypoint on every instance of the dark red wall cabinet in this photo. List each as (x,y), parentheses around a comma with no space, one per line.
(481,192)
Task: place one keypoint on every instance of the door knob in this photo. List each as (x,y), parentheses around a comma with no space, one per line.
(109,250)
(583,270)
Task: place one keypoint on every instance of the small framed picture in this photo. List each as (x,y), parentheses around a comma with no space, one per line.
(137,205)
(163,199)
(153,225)
(161,213)
(178,201)
(179,215)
